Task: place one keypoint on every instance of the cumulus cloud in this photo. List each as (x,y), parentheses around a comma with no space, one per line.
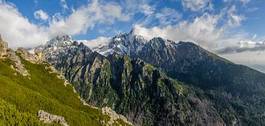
(17,30)
(41,15)
(196,5)
(203,30)
(212,31)
(86,17)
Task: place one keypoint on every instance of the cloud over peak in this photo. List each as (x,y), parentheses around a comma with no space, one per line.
(203,30)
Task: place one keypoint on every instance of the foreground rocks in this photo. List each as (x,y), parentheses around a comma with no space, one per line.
(50,118)
(27,56)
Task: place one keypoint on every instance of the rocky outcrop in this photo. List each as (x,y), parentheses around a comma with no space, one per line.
(50,118)
(26,55)
(113,116)
(17,65)
(131,87)
(3,48)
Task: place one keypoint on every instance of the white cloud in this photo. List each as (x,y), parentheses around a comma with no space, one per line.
(86,17)
(40,14)
(195,5)
(247,57)
(234,19)
(17,30)
(147,9)
(203,30)
(208,30)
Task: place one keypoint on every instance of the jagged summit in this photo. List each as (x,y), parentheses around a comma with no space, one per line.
(60,40)
(131,44)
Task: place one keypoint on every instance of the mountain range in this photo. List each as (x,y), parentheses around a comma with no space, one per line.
(149,82)
(118,75)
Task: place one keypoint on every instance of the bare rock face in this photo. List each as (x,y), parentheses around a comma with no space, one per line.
(18,66)
(50,118)
(3,48)
(5,52)
(26,55)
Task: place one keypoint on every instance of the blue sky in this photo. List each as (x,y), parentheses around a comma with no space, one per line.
(224,20)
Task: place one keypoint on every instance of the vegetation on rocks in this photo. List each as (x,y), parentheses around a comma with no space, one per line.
(21,97)
(160,82)
(133,88)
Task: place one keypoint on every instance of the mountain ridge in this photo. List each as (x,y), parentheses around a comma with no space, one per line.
(115,80)
(227,87)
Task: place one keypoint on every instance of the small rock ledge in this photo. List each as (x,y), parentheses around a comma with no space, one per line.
(50,118)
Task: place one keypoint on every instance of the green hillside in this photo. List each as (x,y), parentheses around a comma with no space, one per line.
(21,97)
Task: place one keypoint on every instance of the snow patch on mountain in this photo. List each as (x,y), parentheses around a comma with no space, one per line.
(126,43)
(59,41)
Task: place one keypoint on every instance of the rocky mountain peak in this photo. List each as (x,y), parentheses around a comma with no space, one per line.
(60,41)
(124,44)
(128,39)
